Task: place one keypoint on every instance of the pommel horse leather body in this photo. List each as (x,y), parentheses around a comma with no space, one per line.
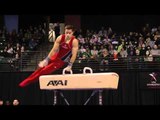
(79,81)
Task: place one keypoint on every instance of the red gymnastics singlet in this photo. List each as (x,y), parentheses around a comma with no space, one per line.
(57,61)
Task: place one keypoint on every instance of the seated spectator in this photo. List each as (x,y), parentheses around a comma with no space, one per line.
(104,59)
(32,44)
(94,51)
(82,49)
(123,53)
(8,102)
(10,52)
(15,102)
(22,49)
(17,56)
(104,56)
(1,102)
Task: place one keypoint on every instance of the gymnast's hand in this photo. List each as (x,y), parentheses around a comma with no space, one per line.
(68,68)
(43,63)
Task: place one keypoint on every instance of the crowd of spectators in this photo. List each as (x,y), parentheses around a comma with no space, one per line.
(13,44)
(99,45)
(106,44)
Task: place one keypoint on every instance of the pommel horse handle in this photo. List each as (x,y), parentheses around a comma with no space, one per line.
(87,68)
(64,70)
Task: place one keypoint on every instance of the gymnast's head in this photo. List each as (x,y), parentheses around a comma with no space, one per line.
(69,31)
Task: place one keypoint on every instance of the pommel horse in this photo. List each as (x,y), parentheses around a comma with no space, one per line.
(85,81)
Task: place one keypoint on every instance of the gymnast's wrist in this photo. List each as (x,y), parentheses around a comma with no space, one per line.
(47,58)
(70,64)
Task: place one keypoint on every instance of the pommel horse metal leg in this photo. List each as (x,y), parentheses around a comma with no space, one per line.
(100,101)
(100,97)
(95,91)
(64,98)
(61,94)
(55,97)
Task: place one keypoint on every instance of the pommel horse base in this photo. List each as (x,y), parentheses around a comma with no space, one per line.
(85,81)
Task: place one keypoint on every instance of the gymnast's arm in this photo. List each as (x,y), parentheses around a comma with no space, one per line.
(75,47)
(74,50)
(55,47)
(51,53)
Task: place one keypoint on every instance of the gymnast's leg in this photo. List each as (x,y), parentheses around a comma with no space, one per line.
(51,67)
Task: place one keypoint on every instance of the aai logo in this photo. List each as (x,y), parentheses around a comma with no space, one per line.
(57,83)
